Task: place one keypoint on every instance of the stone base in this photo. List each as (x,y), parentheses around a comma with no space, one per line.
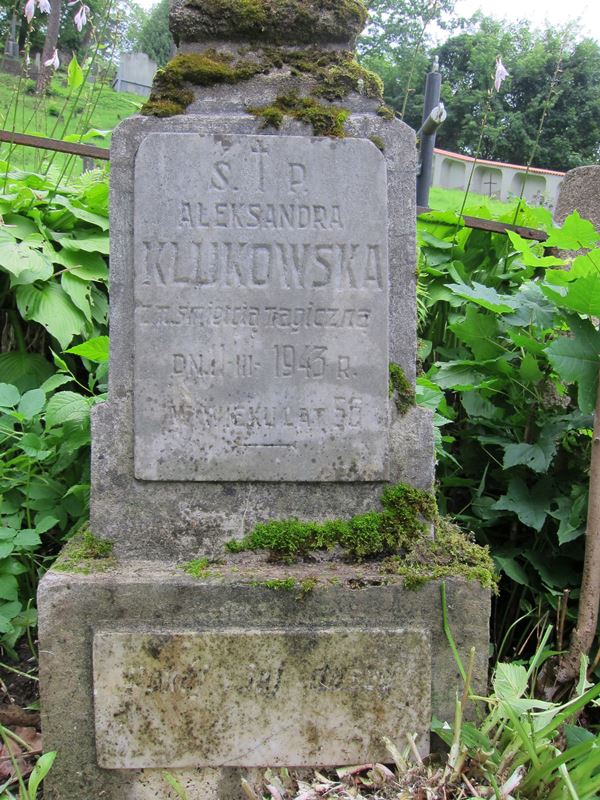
(144,668)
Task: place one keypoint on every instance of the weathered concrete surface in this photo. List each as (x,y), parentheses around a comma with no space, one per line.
(256,698)
(178,519)
(580,191)
(152,600)
(261,309)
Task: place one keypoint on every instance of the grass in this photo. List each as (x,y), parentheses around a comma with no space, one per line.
(451,200)
(59,113)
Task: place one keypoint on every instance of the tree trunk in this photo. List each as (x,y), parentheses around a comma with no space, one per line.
(50,43)
(589,598)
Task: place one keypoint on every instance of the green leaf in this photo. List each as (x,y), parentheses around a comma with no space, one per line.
(93,133)
(89,242)
(510,681)
(19,226)
(528,257)
(27,538)
(88,266)
(458,375)
(66,407)
(41,769)
(52,308)
(54,382)
(529,369)
(74,74)
(9,395)
(46,523)
(24,370)
(574,234)
(24,263)
(537,457)
(32,403)
(485,296)
(581,295)
(94,349)
(79,291)
(81,213)
(512,568)
(9,588)
(576,359)
(530,505)
(479,331)
(6,548)
(33,446)
(478,406)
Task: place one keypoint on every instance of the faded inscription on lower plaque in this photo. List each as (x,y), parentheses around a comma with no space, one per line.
(261,309)
(257,698)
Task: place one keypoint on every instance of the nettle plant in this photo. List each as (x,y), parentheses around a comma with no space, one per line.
(53,292)
(511,355)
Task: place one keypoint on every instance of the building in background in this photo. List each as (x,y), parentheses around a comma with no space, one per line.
(496,179)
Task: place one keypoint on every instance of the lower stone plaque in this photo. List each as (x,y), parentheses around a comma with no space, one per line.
(257,698)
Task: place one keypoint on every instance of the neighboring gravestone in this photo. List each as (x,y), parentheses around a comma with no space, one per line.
(262,281)
(580,191)
(134,74)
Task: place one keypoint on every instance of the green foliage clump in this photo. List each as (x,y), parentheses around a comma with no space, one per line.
(276,21)
(451,553)
(86,553)
(512,374)
(197,568)
(401,389)
(325,120)
(402,520)
(278,584)
(378,142)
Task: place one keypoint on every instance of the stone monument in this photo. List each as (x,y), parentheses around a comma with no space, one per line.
(579,191)
(262,283)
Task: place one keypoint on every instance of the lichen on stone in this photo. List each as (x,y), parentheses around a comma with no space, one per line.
(401,389)
(85,553)
(378,142)
(276,21)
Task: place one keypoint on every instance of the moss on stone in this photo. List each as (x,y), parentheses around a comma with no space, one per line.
(85,553)
(400,388)
(386,112)
(197,568)
(402,520)
(378,142)
(452,553)
(325,120)
(336,73)
(276,21)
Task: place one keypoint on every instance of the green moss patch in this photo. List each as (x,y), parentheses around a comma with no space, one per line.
(277,21)
(325,120)
(403,519)
(337,74)
(400,389)
(452,553)
(197,568)
(85,553)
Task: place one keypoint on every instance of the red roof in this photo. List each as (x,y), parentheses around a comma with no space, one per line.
(532,170)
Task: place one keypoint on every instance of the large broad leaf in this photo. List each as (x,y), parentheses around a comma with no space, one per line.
(74,74)
(66,407)
(89,242)
(574,234)
(577,359)
(24,370)
(581,295)
(79,292)
(52,308)
(24,263)
(526,248)
(32,403)
(479,331)
(510,681)
(19,226)
(88,266)
(9,395)
(459,375)
(81,213)
(94,349)
(533,308)
(511,567)
(485,296)
(537,457)
(530,505)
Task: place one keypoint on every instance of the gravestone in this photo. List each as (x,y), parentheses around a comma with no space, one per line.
(262,282)
(579,191)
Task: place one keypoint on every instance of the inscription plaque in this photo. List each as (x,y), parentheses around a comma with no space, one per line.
(261,309)
(257,698)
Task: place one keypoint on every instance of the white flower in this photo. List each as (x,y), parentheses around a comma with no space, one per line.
(81,17)
(29,9)
(53,61)
(44,6)
(501,73)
